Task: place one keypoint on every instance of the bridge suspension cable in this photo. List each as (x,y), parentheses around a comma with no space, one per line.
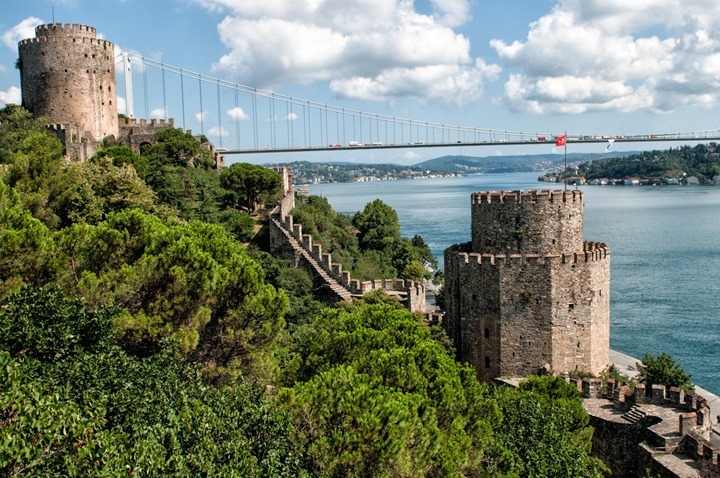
(256,123)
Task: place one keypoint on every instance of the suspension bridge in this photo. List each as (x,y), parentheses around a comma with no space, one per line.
(249,120)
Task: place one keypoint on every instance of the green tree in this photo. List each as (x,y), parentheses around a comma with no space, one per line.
(248,185)
(189,282)
(375,395)
(547,430)
(26,244)
(663,370)
(41,323)
(377,224)
(73,404)
(16,123)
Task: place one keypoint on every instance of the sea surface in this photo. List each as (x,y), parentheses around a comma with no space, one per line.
(664,243)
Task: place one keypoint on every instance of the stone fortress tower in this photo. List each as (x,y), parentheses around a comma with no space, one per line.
(528,292)
(67,74)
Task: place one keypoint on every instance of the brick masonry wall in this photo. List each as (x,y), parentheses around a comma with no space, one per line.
(533,222)
(67,74)
(528,291)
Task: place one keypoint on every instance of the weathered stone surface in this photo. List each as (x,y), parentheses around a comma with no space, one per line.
(67,74)
(527,291)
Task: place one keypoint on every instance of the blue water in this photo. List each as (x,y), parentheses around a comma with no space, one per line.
(665,265)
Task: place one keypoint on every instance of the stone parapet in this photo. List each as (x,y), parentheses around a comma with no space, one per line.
(411,293)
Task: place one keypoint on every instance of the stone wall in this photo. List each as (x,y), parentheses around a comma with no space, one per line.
(137,133)
(408,292)
(533,222)
(510,315)
(655,431)
(67,74)
(527,293)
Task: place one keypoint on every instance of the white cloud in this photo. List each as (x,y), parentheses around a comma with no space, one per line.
(369,49)
(24,29)
(3,68)
(291,117)
(601,55)
(410,156)
(11,95)
(237,113)
(218,131)
(201,116)
(122,105)
(159,113)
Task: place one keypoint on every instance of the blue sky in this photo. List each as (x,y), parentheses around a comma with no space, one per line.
(600,67)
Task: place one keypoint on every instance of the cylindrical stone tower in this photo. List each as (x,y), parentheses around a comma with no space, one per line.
(67,74)
(528,292)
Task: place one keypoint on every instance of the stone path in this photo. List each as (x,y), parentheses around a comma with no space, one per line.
(342,292)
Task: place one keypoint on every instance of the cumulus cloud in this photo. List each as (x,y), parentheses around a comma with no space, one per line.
(218,132)
(369,49)
(201,116)
(24,29)
(600,55)
(291,117)
(11,95)
(159,113)
(237,113)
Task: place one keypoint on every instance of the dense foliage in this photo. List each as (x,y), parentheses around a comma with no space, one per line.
(73,403)
(138,337)
(702,161)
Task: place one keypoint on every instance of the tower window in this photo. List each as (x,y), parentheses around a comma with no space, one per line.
(487,333)
(487,362)
(571,307)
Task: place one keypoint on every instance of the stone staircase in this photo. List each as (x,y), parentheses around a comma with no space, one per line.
(634,415)
(338,289)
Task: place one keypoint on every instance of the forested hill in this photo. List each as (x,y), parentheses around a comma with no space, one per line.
(508,164)
(702,161)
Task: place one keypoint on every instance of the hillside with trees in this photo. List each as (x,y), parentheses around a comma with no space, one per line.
(140,335)
(701,161)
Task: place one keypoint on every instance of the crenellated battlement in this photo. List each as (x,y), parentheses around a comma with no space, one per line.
(410,292)
(531,196)
(67,74)
(532,222)
(645,428)
(90,41)
(592,251)
(64,29)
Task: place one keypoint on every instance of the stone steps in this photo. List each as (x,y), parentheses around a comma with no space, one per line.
(634,415)
(333,284)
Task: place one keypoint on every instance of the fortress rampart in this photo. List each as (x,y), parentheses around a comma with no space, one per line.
(528,293)
(662,430)
(67,74)
(137,133)
(410,293)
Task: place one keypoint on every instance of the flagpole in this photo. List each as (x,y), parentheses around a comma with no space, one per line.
(565,170)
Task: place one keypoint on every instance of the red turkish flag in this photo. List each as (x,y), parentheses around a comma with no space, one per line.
(561,140)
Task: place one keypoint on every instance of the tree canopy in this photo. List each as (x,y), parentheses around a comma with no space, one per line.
(248,185)
(663,370)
